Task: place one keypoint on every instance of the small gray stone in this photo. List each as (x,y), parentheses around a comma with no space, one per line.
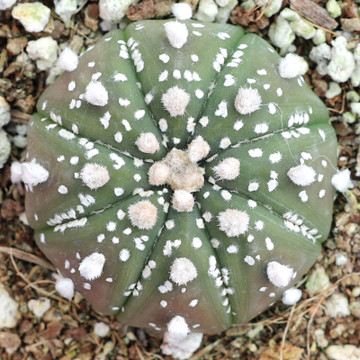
(101,329)
(39,306)
(355,291)
(20,141)
(337,305)
(6,4)
(113,10)
(355,308)
(320,338)
(333,8)
(350,24)
(333,90)
(4,112)
(5,148)
(207,11)
(352,96)
(318,281)
(281,34)
(66,8)
(340,259)
(9,313)
(9,341)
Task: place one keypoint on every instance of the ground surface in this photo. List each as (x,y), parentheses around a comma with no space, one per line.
(66,330)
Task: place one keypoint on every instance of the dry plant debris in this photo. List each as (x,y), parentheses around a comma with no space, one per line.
(66,330)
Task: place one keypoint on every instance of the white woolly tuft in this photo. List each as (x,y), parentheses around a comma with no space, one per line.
(302,175)
(33,173)
(94,175)
(143,214)
(183,201)
(227,169)
(92,266)
(96,94)
(177,33)
(198,149)
(290,66)
(147,143)
(341,180)
(182,271)
(65,287)
(16,172)
(68,60)
(247,100)
(158,174)
(175,101)
(233,222)
(278,274)
(291,296)
(180,348)
(181,11)
(178,328)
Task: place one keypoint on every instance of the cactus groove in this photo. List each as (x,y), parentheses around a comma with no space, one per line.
(182,174)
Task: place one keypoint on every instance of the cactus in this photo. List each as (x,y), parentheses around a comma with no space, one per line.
(180,173)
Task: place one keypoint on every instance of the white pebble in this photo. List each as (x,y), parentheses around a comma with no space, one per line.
(44,51)
(9,313)
(6,4)
(112,11)
(66,9)
(4,112)
(337,305)
(33,16)
(101,329)
(181,11)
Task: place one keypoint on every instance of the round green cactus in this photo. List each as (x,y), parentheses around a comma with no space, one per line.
(180,172)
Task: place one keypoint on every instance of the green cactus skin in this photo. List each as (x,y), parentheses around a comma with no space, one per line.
(214,231)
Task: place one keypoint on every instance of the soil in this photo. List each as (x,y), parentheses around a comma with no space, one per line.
(65,331)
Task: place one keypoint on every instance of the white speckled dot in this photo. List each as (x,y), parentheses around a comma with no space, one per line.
(249,260)
(124,255)
(111,226)
(62,189)
(196,243)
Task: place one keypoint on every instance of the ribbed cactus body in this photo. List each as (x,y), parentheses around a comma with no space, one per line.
(185,172)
